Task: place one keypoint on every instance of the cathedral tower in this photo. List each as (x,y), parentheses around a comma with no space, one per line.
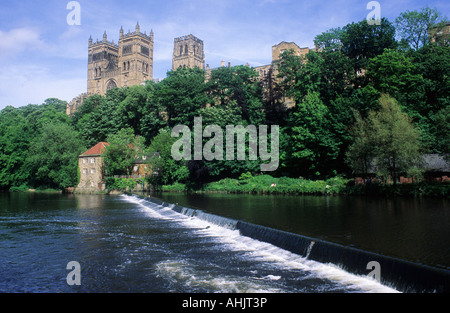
(128,63)
(188,52)
(136,57)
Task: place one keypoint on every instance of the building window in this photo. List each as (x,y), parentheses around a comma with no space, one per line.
(92,161)
(92,170)
(85,171)
(136,168)
(84,161)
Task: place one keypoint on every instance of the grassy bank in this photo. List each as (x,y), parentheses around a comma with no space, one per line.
(24,188)
(266,184)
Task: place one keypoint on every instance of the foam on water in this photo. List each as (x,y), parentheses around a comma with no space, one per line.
(231,239)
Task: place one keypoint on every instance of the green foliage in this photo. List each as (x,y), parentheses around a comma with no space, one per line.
(123,150)
(362,41)
(414,27)
(312,144)
(266,184)
(53,156)
(38,147)
(389,139)
(329,40)
(120,184)
(161,160)
(336,123)
(182,94)
(442,130)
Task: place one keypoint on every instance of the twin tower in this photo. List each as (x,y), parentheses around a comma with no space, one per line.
(130,62)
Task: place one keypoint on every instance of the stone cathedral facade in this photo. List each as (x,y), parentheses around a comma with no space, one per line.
(110,65)
(130,62)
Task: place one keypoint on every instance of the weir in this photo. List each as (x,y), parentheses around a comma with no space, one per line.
(396,273)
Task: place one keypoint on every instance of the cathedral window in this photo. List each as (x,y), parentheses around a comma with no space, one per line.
(111,84)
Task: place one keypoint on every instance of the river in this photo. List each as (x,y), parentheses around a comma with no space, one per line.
(127,244)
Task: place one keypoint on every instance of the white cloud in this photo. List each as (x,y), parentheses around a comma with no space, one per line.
(19,40)
(24,84)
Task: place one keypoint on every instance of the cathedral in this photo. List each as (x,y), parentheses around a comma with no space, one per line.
(130,61)
(110,65)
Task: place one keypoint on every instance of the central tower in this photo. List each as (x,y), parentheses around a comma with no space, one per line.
(188,51)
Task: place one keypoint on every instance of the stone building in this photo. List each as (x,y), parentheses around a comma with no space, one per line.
(110,65)
(188,51)
(91,169)
(268,73)
(277,50)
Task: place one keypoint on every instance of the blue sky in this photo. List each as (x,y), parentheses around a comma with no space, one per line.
(41,56)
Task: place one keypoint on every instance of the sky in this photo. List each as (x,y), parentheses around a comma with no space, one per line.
(42,56)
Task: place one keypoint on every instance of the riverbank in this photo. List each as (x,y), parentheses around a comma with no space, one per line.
(266,184)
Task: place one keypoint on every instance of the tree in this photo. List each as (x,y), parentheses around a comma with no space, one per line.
(395,74)
(362,41)
(161,160)
(433,63)
(153,115)
(121,153)
(390,137)
(132,106)
(311,146)
(414,27)
(15,137)
(299,75)
(360,153)
(182,94)
(53,156)
(442,130)
(237,85)
(289,72)
(337,75)
(329,40)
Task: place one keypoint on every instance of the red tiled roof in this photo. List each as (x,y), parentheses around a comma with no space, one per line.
(97,149)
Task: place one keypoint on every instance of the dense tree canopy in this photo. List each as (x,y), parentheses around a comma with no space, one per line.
(336,90)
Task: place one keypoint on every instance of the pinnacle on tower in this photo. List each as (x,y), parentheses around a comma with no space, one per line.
(138,28)
(90,40)
(121,31)
(105,37)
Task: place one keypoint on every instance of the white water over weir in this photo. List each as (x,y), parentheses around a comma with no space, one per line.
(395,273)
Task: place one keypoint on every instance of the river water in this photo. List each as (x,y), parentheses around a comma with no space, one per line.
(128,244)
